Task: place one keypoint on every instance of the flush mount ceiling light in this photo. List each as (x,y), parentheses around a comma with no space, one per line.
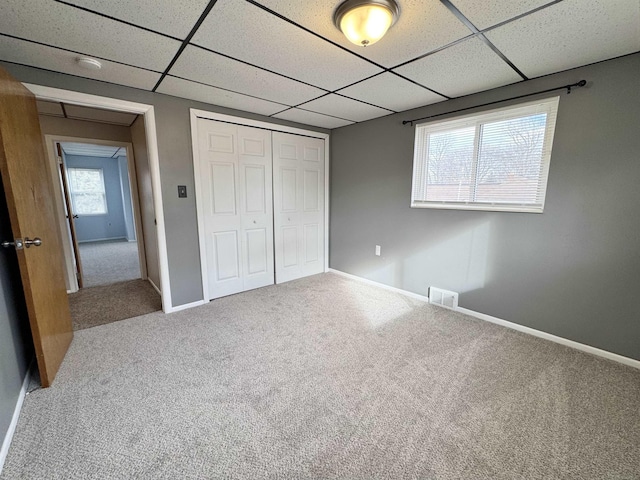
(364,22)
(89,63)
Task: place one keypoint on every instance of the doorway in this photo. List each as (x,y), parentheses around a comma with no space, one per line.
(98,195)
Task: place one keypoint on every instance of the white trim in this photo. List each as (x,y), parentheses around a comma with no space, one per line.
(194,115)
(154,286)
(406,293)
(553,338)
(6,443)
(77,98)
(186,306)
(504,323)
(255,123)
(105,239)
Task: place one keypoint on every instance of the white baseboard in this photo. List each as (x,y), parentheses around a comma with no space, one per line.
(154,286)
(6,443)
(93,240)
(185,306)
(504,323)
(381,285)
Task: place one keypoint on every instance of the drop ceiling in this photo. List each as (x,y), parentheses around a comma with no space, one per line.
(91,150)
(285,58)
(77,112)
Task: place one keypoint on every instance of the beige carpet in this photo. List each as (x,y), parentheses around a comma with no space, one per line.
(326,378)
(109,303)
(109,262)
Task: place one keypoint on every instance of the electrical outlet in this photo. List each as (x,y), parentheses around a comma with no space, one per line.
(378,250)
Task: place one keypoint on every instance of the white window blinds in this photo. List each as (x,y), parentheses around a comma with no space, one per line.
(494,160)
(88,194)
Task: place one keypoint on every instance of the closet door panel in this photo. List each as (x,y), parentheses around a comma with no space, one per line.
(298,205)
(256,207)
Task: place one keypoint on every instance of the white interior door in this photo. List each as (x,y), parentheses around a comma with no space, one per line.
(298,200)
(236,191)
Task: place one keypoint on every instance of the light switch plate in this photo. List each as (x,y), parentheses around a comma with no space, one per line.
(182,191)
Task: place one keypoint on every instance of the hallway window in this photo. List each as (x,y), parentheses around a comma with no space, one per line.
(88,195)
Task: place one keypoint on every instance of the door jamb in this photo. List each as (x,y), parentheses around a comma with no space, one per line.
(194,115)
(76,98)
(51,140)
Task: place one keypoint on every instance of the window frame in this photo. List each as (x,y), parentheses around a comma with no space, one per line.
(420,165)
(72,192)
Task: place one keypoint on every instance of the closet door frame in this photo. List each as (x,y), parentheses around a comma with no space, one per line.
(195,114)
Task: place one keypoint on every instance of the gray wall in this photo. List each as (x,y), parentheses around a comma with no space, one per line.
(145,194)
(69,127)
(16,348)
(176,166)
(125,189)
(573,271)
(101,227)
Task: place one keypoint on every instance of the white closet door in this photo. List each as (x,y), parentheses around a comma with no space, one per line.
(298,182)
(235,188)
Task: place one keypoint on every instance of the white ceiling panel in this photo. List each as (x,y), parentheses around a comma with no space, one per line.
(49,108)
(63,26)
(99,115)
(312,118)
(27,53)
(486,13)
(570,34)
(171,17)
(423,26)
(270,42)
(216,96)
(218,71)
(465,68)
(90,150)
(343,107)
(392,92)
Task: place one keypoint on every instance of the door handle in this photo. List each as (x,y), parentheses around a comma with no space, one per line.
(18,243)
(75,216)
(36,242)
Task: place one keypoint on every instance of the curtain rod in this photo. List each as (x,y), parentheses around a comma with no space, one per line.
(581,83)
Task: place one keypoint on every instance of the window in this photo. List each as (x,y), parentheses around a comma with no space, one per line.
(495,160)
(86,186)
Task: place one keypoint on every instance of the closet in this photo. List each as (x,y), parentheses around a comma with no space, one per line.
(260,197)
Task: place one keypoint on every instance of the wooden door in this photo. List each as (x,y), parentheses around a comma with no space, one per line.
(235,187)
(298,202)
(29,195)
(68,207)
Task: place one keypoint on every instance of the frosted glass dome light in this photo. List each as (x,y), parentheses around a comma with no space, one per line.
(364,22)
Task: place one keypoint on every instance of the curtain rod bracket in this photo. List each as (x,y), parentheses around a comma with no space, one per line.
(581,83)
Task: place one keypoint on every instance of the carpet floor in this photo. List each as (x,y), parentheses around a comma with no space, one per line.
(104,304)
(326,377)
(109,262)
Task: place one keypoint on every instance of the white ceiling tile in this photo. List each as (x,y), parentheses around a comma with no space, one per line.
(570,34)
(423,26)
(27,53)
(171,17)
(312,118)
(467,67)
(486,13)
(63,26)
(218,71)
(215,96)
(49,108)
(99,115)
(272,43)
(392,92)
(338,106)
